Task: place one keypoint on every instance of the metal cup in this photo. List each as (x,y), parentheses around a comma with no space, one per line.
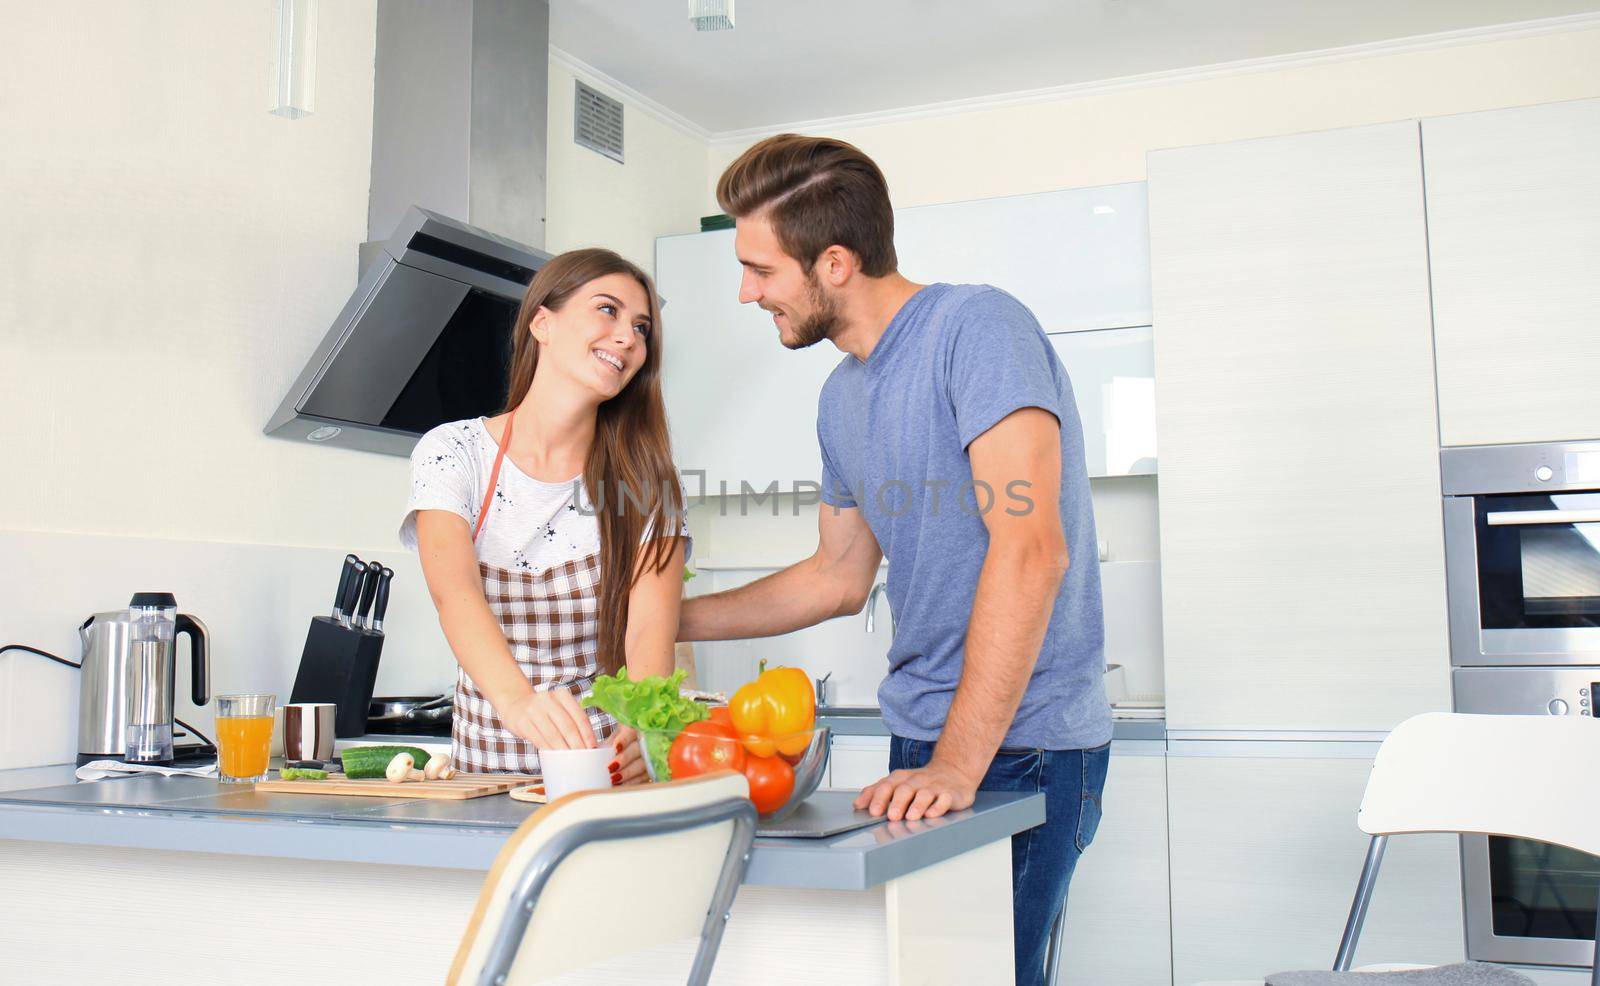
(308,730)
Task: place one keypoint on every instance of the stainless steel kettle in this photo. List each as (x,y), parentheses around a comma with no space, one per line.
(126,692)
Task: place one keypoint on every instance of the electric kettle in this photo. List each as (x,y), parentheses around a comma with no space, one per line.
(126,693)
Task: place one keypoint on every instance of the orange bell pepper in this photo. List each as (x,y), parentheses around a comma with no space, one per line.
(775,712)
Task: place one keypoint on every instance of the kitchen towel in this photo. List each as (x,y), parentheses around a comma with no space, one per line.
(96,770)
(1460,974)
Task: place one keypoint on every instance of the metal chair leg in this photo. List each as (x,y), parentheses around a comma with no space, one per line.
(1358,907)
(1052,955)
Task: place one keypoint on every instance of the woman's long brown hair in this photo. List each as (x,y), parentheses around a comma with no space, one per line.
(629,473)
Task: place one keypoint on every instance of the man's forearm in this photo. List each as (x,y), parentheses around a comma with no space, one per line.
(1010,613)
(797,597)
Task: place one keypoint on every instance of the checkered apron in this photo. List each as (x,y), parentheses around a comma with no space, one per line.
(549,620)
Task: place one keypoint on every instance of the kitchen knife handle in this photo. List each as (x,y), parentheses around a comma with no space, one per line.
(369,588)
(352,591)
(381,605)
(345,570)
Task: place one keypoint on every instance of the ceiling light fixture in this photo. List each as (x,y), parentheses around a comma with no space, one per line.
(711,15)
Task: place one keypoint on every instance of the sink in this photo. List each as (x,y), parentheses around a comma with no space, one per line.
(848,712)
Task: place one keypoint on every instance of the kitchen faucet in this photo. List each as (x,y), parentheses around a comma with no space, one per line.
(872,609)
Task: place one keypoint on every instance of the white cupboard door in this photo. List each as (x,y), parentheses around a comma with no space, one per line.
(1514,240)
(856,761)
(1113,379)
(1117,918)
(741,407)
(1078,258)
(1302,558)
(1265,858)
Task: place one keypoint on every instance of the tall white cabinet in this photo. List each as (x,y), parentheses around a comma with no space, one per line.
(1301,554)
(1514,238)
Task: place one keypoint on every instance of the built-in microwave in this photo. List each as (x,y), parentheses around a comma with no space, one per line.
(1522,553)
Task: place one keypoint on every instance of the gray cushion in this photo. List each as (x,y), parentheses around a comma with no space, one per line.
(1462,974)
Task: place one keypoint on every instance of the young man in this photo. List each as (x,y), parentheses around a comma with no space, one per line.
(950,441)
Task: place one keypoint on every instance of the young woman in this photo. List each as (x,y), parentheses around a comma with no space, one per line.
(551,534)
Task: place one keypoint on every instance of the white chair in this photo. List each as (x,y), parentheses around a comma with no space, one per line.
(1524,777)
(541,911)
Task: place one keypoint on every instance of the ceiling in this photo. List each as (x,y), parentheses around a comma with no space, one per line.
(794,60)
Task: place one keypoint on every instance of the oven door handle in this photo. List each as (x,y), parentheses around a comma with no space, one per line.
(1506,518)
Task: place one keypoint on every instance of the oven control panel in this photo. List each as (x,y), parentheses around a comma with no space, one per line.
(1527,691)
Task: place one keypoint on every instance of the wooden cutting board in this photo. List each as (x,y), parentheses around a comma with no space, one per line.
(458,788)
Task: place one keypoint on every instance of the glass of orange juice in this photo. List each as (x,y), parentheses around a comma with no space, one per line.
(244,737)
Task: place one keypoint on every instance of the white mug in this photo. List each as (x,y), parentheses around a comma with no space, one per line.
(308,730)
(566,771)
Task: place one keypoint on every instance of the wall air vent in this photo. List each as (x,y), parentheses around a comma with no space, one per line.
(597,122)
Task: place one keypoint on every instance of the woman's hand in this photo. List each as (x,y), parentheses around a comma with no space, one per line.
(628,767)
(550,720)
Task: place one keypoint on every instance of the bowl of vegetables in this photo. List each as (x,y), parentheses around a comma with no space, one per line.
(767,731)
(779,780)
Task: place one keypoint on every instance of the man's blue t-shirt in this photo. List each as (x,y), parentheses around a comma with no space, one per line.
(894,431)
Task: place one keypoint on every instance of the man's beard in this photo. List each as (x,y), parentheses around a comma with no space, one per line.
(821,323)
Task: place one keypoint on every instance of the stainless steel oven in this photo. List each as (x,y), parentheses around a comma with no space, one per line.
(1528,902)
(1522,553)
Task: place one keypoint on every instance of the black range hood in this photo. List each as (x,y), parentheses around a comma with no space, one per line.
(425,338)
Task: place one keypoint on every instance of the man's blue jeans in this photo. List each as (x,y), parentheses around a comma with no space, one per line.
(1042,858)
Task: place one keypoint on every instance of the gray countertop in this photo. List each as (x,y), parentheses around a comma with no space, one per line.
(864,720)
(45,804)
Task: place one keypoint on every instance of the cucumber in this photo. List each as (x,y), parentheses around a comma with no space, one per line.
(302,774)
(362,762)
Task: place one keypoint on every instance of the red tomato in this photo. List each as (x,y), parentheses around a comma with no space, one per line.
(771,782)
(703,747)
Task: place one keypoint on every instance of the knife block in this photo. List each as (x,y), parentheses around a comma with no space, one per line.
(339,665)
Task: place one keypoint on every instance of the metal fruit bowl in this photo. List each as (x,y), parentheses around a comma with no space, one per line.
(810,762)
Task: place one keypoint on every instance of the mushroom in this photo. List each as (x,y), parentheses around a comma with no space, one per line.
(439,768)
(402,768)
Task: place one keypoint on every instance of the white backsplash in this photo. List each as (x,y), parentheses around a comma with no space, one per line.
(256,600)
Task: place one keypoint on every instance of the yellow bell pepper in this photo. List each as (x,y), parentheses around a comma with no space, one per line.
(775,712)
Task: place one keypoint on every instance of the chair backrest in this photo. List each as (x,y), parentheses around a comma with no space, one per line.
(604,898)
(1528,777)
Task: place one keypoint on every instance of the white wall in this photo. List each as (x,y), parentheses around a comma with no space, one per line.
(1100,136)
(175,254)
(594,201)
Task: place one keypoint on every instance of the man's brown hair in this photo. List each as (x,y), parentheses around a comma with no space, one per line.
(816,192)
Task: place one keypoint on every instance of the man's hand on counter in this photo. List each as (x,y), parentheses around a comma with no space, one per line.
(926,792)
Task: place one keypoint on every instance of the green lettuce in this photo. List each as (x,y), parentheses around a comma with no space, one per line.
(653,706)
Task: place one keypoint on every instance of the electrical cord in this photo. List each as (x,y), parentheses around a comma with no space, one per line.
(198,734)
(41,653)
(73,664)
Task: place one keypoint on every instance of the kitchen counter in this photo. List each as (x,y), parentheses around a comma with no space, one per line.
(194,814)
(866,720)
(240,871)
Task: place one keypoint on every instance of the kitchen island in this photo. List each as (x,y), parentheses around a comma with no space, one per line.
(150,879)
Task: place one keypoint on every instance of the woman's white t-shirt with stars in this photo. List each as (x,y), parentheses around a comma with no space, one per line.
(532,525)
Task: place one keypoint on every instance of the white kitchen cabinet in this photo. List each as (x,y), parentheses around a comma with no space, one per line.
(1301,554)
(1079,258)
(856,761)
(1113,377)
(1265,855)
(743,409)
(1514,242)
(1118,930)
